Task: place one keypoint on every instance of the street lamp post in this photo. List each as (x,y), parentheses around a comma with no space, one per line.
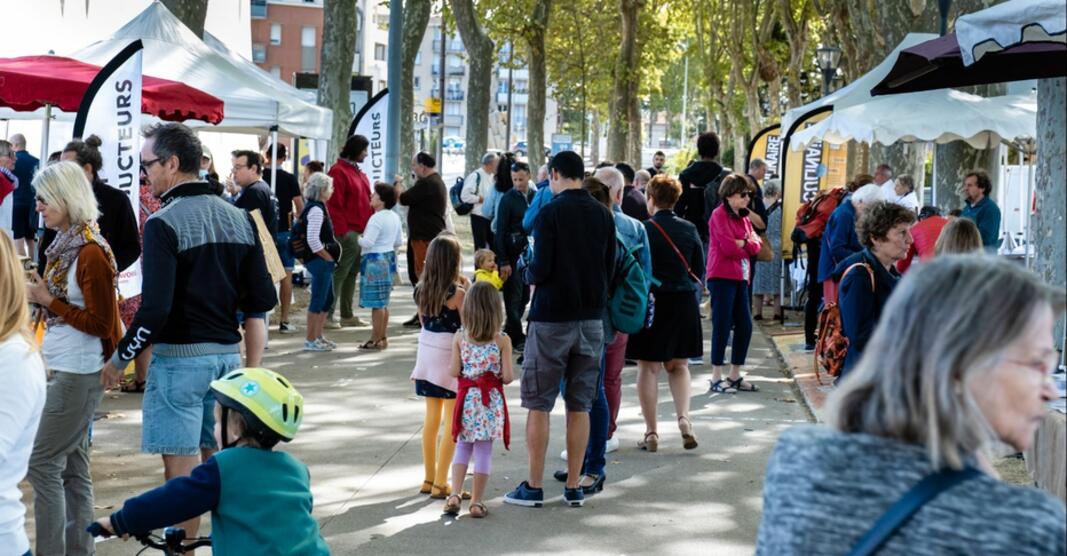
(828,58)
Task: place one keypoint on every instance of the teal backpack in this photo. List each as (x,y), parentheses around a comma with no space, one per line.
(629,300)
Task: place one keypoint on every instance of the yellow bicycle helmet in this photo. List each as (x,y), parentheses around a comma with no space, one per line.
(271,406)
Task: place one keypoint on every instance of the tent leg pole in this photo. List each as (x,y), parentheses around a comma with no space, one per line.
(45,129)
(1028,208)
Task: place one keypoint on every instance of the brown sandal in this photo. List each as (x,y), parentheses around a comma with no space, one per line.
(452,508)
(689,440)
(442,492)
(371,345)
(427,487)
(650,443)
(482,510)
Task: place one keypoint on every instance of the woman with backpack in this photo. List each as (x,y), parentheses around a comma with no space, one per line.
(868,277)
(320,253)
(675,335)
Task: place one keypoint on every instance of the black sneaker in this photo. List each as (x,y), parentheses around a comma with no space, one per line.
(573,497)
(413,322)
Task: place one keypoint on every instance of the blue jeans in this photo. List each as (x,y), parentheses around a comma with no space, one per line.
(321,272)
(178,406)
(281,241)
(730,309)
(599,421)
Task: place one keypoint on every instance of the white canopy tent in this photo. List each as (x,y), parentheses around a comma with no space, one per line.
(255,100)
(1008,24)
(939,116)
(858,91)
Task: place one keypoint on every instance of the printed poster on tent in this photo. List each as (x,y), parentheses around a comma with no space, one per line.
(111,110)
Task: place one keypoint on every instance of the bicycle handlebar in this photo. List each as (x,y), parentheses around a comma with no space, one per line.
(173,540)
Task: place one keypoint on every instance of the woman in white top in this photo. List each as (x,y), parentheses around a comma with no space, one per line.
(904,194)
(21,398)
(78,297)
(384,233)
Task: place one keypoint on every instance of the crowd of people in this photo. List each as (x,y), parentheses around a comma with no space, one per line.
(554,252)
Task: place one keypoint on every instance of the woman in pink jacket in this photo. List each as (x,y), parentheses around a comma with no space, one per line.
(731,245)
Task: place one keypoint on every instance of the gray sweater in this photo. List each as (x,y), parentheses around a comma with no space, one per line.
(824,489)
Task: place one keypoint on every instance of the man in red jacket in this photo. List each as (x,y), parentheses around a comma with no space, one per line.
(925,234)
(349,209)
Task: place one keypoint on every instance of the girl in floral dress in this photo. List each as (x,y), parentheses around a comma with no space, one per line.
(481,360)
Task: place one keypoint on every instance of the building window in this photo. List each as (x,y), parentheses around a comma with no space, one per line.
(308,54)
(276,72)
(259,9)
(418,58)
(259,53)
(417,83)
(453,108)
(276,34)
(381,84)
(379,52)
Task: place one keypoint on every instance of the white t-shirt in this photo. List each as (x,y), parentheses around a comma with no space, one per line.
(68,349)
(7,208)
(21,403)
(475,185)
(909,200)
(384,233)
(889,190)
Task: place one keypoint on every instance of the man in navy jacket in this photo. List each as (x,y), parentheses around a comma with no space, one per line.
(839,240)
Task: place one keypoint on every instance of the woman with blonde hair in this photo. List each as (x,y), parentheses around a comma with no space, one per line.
(961,359)
(22,396)
(959,236)
(78,297)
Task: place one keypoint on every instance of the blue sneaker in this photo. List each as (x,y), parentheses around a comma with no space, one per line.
(525,495)
(573,497)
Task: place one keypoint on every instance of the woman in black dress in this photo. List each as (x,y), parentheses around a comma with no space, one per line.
(675,334)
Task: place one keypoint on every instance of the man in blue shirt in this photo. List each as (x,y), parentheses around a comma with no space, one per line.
(981,209)
(24,217)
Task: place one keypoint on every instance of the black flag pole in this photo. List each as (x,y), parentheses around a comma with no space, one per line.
(98,82)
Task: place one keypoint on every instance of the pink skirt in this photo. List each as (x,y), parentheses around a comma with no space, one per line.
(433,359)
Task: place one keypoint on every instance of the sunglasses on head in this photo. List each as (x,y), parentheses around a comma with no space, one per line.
(520,167)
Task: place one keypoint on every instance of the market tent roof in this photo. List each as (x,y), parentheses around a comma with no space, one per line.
(858,91)
(1005,25)
(939,116)
(28,83)
(254,99)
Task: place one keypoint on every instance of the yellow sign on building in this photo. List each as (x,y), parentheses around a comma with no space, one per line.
(432,105)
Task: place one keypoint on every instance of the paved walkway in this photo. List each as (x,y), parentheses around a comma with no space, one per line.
(361,440)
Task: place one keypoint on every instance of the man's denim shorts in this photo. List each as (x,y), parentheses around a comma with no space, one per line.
(281,241)
(178,406)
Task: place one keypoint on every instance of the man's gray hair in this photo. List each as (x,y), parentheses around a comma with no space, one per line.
(18,140)
(319,185)
(642,177)
(884,168)
(542,173)
(906,181)
(611,177)
(772,187)
(756,164)
(945,327)
(488,158)
(867,194)
(174,139)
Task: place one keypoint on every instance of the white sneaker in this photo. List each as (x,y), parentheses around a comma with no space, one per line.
(696,361)
(326,344)
(315,346)
(611,445)
(563,455)
(332,325)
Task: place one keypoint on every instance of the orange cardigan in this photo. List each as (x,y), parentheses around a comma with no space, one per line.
(100,317)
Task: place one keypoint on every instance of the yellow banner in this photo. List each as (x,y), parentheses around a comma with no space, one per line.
(818,166)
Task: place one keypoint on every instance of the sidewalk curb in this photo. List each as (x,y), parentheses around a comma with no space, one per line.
(798,365)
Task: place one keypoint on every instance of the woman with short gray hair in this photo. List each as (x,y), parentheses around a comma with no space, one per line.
(961,359)
(319,250)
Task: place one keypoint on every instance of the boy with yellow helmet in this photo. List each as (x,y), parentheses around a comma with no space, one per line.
(259,499)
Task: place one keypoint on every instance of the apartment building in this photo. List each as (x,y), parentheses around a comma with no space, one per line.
(287,38)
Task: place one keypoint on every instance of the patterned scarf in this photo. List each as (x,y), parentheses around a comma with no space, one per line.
(63,252)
